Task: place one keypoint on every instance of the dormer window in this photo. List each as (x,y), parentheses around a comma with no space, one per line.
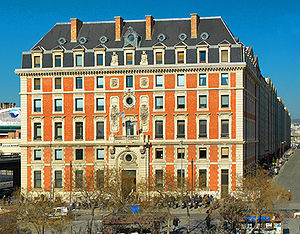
(37,61)
(202,56)
(224,56)
(100,59)
(158,58)
(129,58)
(180,57)
(57,60)
(78,60)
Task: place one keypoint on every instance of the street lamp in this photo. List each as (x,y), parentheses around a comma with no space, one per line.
(181,171)
(192,176)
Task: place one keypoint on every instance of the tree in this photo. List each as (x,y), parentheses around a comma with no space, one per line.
(37,211)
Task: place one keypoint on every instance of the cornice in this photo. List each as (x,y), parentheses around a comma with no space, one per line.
(119,70)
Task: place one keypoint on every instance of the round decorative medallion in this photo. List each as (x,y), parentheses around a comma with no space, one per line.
(82,40)
(161,37)
(204,35)
(103,39)
(129,100)
(131,37)
(128,157)
(61,41)
(182,36)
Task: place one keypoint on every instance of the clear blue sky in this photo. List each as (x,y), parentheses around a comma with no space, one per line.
(272,28)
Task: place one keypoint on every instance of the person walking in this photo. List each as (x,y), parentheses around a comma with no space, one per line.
(175,223)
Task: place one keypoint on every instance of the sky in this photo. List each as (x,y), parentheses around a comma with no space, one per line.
(270,27)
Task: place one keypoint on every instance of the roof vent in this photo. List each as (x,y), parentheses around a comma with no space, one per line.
(103,39)
(204,36)
(82,40)
(182,36)
(61,40)
(161,37)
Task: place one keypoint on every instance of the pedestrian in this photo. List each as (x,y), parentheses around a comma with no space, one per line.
(175,223)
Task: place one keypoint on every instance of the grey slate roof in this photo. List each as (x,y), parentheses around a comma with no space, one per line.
(215,27)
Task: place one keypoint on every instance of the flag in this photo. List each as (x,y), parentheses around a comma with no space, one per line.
(122,114)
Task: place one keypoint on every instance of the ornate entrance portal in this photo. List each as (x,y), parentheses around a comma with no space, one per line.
(128,182)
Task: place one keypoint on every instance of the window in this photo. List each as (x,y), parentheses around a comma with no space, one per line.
(37,105)
(100,60)
(79,154)
(100,82)
(159,153)
(202,101)
(58,154)
(180,153)
(100,104)
(78,104)
(202,80)
(180,57)
(224,56)
(180,128)
(159,102)
(180,102)
(37,83)
(129,81)
(57,60)
(180,177)
(99,178)
(159,178)
(159,129)
(159,81)
(129,128)
(202,56)
(37,177)
(129,58)
(100,154)
(58,131)
(57,83)
(224,152)
(37,61)
(224,79)
(202,128)
(180,80)
(78,178)
(202,178)
(224,128)
(224,101)
(37,154)
(79,83)
(58,105)
(224,182)
(202,153)
(100,130)
(58,179)
(37,131)
(159,57)
(79,130)
(78,60)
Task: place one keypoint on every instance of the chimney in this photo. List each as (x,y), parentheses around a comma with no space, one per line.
(118,27)
(75,27)
(194,25)
(149,24)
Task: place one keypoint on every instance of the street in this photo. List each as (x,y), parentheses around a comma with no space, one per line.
(288,178)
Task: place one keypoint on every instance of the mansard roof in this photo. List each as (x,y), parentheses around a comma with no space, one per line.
(171,28)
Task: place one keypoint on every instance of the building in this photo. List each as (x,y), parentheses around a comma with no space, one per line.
(154,96)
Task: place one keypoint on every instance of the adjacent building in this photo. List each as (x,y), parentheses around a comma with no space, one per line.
(182,97)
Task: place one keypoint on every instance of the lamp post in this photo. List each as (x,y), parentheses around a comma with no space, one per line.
(181,171)
(192,176)
(71,187)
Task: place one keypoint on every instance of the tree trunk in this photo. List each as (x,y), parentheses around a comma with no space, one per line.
(169,221)
(92,219)
(188,216)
